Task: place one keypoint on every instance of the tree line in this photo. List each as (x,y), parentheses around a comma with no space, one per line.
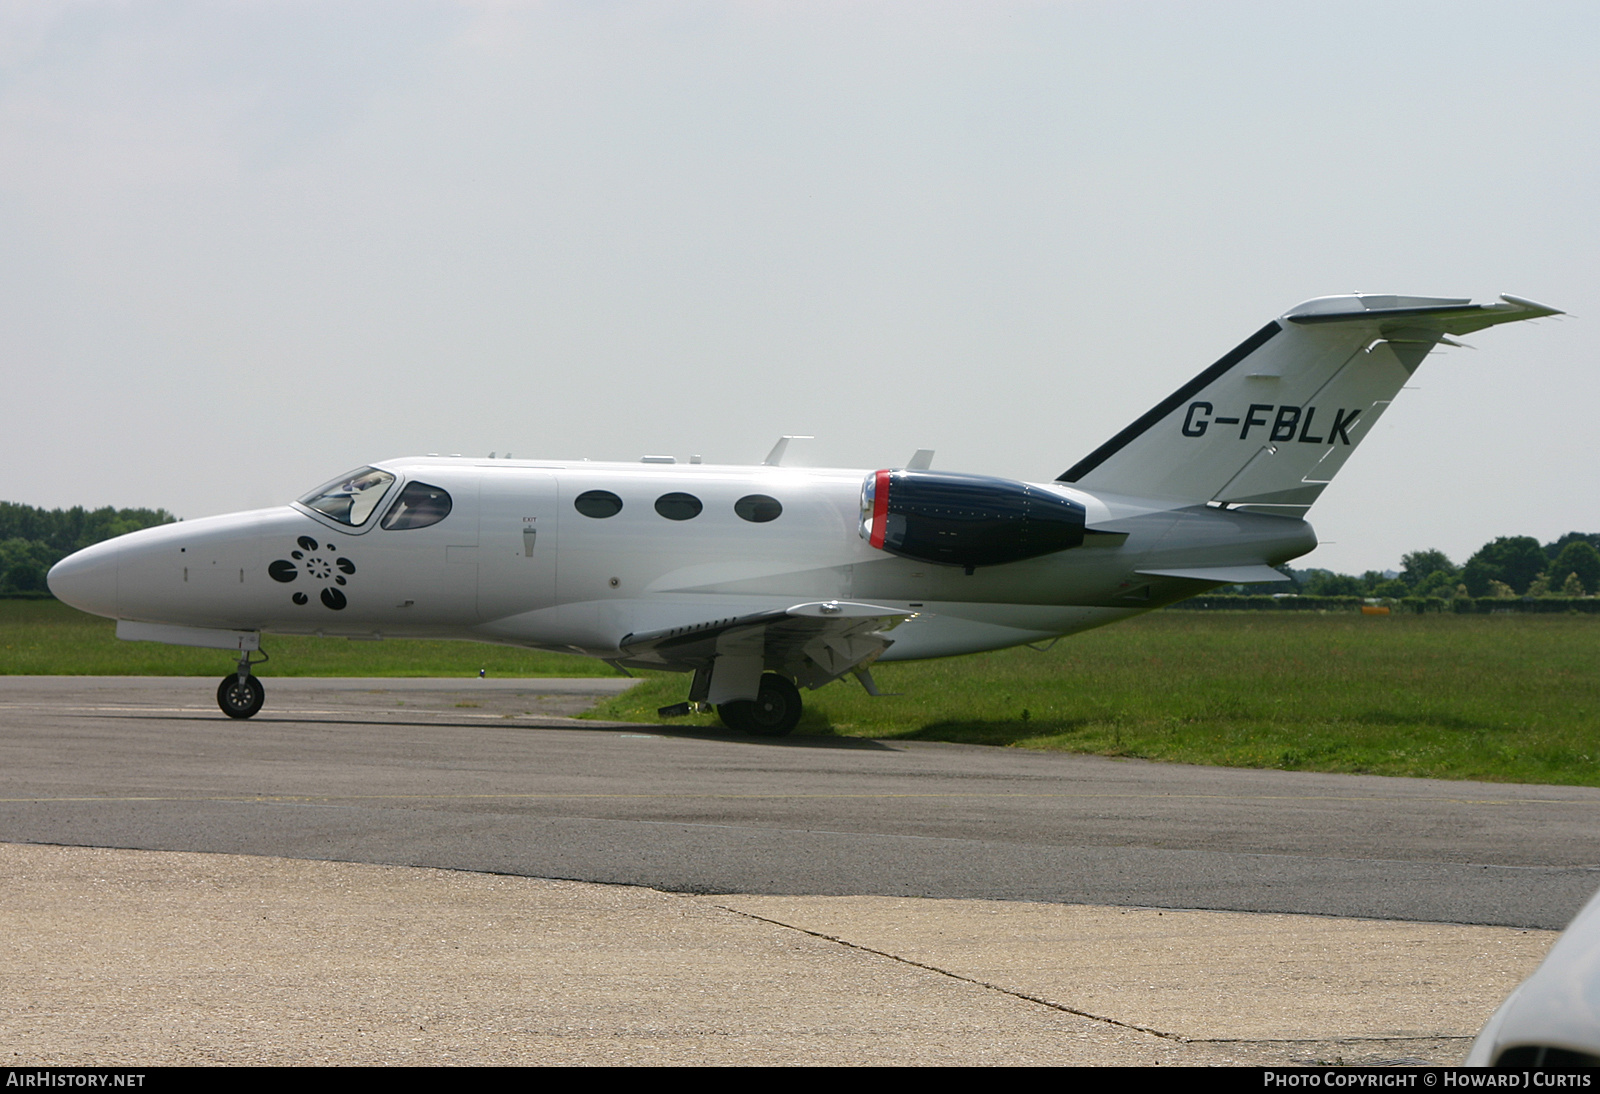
(33,540)
(1506,567)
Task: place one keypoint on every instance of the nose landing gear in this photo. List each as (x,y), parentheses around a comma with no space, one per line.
(240,694)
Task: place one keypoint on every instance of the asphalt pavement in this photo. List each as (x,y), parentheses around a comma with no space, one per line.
(820,839)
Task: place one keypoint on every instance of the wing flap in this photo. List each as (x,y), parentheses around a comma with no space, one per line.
(813,642)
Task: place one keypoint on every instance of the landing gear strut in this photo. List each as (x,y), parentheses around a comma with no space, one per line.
(240,694)
(772,713)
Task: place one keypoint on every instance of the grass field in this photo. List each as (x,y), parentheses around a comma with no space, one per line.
(46,637)
(1511,698)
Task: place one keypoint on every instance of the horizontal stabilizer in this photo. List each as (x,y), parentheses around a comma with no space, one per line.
(1396,313)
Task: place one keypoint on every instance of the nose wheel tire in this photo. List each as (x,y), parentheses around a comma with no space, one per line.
(240,698)
(774,712)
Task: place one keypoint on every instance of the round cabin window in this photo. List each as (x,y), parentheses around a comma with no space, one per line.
(597,503)
(758,508)
(679,506)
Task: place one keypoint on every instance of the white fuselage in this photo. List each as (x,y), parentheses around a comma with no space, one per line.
(515,562)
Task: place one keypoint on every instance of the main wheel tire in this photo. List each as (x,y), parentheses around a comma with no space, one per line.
(776,710)
(240,698)
(736,715)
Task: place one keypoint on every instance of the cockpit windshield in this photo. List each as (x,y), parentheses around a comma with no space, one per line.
(350,499)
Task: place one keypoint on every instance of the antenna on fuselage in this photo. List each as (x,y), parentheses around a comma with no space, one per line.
(775,457)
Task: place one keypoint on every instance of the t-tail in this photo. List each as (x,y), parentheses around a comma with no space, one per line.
(1270,424)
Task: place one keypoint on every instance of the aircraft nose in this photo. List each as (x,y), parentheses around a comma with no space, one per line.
(88,579)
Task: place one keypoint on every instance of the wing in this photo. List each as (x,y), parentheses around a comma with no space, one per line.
(813,643)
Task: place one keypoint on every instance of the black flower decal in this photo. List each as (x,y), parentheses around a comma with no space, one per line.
(319,563)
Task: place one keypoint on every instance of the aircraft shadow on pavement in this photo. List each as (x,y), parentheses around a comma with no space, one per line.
(998,732)
(695,733)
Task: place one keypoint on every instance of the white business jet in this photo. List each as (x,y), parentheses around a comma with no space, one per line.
(761,580)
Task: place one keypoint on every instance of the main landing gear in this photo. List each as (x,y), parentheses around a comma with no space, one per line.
(240,694)
(772,713)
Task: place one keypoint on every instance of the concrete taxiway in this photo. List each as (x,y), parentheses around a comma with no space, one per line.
(400,870)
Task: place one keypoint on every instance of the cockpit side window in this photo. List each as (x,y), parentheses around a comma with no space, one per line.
(418,506)
(350,499)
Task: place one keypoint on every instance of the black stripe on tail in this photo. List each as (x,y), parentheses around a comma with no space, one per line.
(1169,404)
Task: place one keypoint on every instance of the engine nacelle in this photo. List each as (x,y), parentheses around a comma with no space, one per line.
(965,520)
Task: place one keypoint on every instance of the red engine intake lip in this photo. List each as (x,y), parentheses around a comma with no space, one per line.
(880,509)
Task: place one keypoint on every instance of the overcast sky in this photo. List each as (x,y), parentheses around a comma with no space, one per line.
(247,246)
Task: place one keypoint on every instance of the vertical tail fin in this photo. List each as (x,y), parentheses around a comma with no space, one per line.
(1270,424)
